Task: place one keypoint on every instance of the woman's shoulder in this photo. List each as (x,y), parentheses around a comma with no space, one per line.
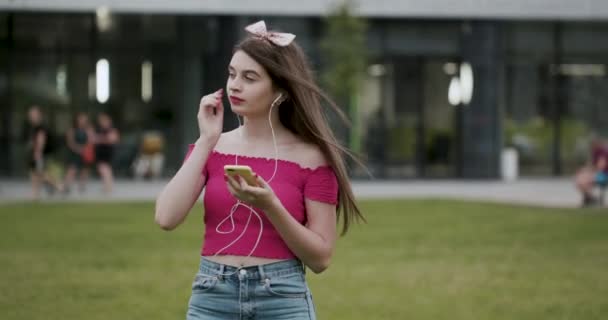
(308,155)
(226,138)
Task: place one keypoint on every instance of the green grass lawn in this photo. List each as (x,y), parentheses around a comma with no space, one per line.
(423,259)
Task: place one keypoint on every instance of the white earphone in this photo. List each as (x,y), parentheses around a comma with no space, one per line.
(277,100)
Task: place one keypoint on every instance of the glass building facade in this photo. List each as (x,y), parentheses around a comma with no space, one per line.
(538,86)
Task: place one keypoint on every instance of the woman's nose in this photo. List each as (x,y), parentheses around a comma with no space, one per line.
(234,84)
(233,88)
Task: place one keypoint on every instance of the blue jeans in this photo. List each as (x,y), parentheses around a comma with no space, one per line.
(271,291)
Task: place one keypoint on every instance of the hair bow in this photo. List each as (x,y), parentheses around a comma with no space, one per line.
(258,29)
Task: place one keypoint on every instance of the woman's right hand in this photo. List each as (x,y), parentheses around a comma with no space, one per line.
(211,116)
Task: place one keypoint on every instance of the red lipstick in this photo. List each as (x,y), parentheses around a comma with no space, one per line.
(236,100)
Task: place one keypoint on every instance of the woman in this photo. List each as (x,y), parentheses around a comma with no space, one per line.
(257,238)
(79,139)
(105,141)
(592,174)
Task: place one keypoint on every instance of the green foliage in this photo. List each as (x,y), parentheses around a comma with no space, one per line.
(401,144)
(343,47)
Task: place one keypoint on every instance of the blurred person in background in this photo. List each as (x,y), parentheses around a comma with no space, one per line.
(593,173)
(150,160)
(106,138)
(81,153)
(39,146)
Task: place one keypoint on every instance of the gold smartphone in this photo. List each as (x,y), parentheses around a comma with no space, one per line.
(244,171)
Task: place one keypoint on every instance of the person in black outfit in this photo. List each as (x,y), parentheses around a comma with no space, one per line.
(38,149)
(105,141)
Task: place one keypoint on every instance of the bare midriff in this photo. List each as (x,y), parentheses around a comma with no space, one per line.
(240,261)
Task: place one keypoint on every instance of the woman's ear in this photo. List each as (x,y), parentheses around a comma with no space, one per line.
(282,96)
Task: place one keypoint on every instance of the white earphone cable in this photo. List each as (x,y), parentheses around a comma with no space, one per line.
(252,211)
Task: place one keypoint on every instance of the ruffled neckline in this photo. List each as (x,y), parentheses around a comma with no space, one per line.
(294,164)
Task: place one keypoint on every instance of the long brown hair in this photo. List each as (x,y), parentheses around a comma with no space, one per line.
(302,112)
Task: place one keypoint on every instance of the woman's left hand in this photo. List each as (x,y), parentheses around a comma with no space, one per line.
(260,196)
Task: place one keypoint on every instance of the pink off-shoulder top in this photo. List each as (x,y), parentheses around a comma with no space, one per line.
(292,184)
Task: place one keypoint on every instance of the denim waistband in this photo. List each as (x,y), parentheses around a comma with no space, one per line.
(270,270)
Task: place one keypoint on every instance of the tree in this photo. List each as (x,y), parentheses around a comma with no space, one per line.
(345,57)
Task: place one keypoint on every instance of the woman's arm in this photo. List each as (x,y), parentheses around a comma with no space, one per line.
(314,243)
(39,143)
(91,138)
(113,136)
(179,195)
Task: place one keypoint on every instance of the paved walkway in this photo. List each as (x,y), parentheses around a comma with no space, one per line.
(548,192)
